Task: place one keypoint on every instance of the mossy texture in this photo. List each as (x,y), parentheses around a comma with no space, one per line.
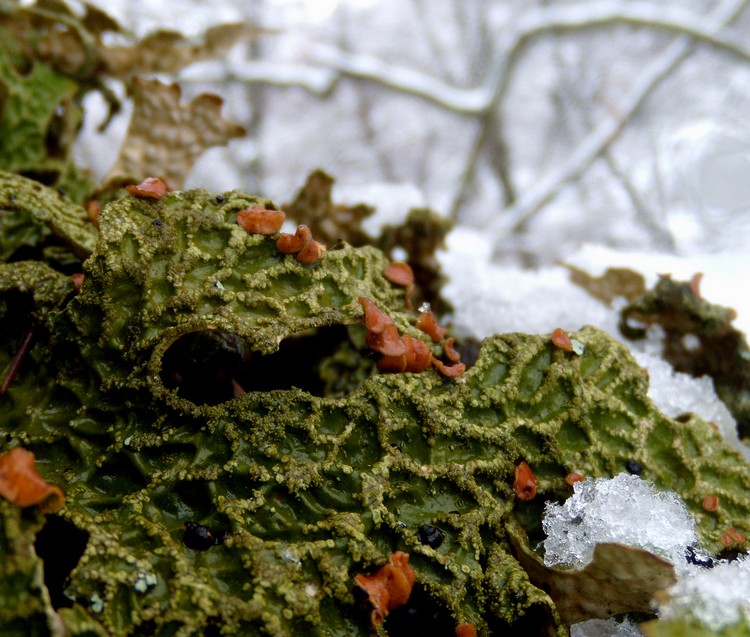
(699,339)
(31,213)
(305,488)
(39,117)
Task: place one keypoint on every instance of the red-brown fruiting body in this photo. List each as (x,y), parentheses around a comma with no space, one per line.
(258,220)
(429,326)
(450,351)
(399,273)
(311,252)
(77,280)
(525,483)
(731,537)
(293,243)
(573,477)
(561,340)
(149,188)
(466,630)
(301,244)
(451,371)
(389,587)
(711,503)
(23,486)
(382,334)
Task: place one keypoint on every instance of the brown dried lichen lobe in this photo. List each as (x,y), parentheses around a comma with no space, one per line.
(329,222)
(165,136)
(21,484)
(699,340)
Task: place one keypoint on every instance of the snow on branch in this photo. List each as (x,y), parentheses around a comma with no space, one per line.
(602,136)
(588,15)
(461,100)
(479,100)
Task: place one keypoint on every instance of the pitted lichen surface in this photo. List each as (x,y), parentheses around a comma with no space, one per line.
(305,490)
(29,213)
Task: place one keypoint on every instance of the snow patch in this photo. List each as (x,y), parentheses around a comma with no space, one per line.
(717,597)
(624,509)
(605,628)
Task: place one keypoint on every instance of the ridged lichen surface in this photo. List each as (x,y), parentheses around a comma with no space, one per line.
(302,484)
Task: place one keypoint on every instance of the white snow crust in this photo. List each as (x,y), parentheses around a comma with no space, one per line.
(718,597)
(624,509)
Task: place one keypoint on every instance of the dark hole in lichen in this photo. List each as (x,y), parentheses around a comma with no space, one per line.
(15,316)
(16,338)
(47,177)
(57,136)
(212,367)
(421,615)
(468,348)
(60,545)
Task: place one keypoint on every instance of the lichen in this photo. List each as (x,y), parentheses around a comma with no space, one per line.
(24,601)
(699,339)
(189,383)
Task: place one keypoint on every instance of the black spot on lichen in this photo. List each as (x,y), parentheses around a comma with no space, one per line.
(634,467)
(199,537)
(430,535)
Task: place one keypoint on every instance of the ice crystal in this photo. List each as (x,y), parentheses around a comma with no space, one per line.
(624,509)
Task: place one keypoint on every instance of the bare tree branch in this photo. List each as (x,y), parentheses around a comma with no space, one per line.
(476,101)
(514,218)
(483,103)
(314,79)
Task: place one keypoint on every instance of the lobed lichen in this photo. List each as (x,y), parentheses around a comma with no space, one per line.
(188,384)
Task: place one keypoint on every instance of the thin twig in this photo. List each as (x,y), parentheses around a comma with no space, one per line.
(15,363)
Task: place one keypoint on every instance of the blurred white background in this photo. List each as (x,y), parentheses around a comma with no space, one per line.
(549,125)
